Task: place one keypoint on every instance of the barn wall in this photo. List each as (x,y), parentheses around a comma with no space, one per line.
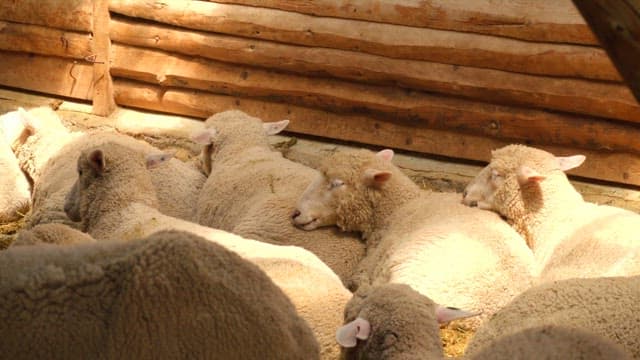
(453,78)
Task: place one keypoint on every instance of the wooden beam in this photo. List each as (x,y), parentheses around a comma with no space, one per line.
(437,112)
(103,102)
(401,42)
(617,25)
(533,20)
(44,40)
(616,167)
(61,14)
(51,75)
(571,95)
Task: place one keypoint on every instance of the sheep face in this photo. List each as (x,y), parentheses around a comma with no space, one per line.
(513,177)
(316,207)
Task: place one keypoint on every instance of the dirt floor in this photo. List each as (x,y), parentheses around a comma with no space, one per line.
(173,132)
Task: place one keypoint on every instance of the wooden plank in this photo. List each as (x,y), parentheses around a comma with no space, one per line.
(438,112)
(44,40)
(617,25)
(103,102)
(534,20)
(610,166)
(49,75)
(401,42)
(62,14)
(571,95)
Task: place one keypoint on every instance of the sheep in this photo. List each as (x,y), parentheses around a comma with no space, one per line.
(252,189)
(551,342)
(449,252)
(48,153)
(52,233)
(170,295)
(393,321)
(607,306)
(115,199)
(529,188)
(15,190)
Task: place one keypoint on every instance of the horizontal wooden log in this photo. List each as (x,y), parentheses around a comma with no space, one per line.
(570,95)
(44,40)
(617,25)
(534,20)
(51,75)
(61,14)
(401,42)
(616,167)
(436,112)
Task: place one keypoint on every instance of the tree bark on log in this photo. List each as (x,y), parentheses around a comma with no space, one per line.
(617,167)
(400,42)
(437,112)
(571,95)
(44,40)
(62,14)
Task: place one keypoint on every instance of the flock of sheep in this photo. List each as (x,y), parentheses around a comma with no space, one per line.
(242,256)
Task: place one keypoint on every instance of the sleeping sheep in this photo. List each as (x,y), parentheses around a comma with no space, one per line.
(169,296)
(608,307)
(48,152)
(114,198)
(569,236)
(252,189)
(393,321)
(51,233)
(451,253)
(15,190)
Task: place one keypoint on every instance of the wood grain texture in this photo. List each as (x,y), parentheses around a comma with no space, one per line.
(61,14)
(617,25)
(51,75)
(44,40)
(570,95)
(401,42)
(436,112)
(610,166)
(103,102)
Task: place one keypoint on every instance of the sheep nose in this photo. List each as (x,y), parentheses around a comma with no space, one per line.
(295,213)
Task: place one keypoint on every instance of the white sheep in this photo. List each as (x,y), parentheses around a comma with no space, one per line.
(551,342)
(51,233)
(451,253)
(115,199)
(569,236)
(15,190)
(393,321)
(607,306)
(169,296)
(252,190)
(48,152)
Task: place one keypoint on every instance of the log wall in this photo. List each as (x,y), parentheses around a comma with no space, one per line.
(452,78)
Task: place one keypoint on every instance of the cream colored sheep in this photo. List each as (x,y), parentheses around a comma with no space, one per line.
(393,321)
(172,295)
(49,151)
(252,190)
(115,199)
(15,191)
(551,342)
(451,253)
(569,236)
(605,306)
(52,233)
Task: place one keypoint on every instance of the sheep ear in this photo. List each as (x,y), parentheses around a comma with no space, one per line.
(97,161)
(272,128)
(570,162)
(204,137)
(376,178)
(445,314)
(27,121)
(528,175)
(386,154)
(348,335)
(153,160)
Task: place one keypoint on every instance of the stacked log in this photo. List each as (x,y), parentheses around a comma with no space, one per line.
(452,78)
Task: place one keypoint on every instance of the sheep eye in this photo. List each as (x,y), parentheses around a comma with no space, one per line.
(335,183)
(79,171)
(495,175)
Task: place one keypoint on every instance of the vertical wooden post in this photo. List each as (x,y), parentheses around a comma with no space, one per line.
(103,100)
(616,23)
